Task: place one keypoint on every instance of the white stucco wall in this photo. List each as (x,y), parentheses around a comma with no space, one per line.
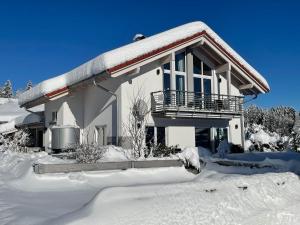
(235,131)
(148,81)
(69,112)
(100,109)
(181,136)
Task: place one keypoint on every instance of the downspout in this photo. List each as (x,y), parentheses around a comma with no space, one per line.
(116,97)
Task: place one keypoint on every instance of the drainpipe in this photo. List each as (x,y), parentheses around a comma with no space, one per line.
(116,97)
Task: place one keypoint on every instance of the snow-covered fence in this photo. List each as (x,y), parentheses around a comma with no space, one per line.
(122,165)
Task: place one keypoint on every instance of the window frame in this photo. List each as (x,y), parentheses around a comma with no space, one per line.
(202,76)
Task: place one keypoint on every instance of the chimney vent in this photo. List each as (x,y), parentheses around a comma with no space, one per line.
(138,37)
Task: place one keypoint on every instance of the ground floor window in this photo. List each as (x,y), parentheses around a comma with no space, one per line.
(202,137)
(149,136)
(155,136)
(220,135)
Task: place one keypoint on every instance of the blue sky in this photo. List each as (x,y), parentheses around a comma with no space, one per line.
(42,39)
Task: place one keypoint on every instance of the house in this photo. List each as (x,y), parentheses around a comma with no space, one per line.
(12,118)
(194,83)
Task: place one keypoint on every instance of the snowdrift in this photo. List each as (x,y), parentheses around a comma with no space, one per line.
(211,198)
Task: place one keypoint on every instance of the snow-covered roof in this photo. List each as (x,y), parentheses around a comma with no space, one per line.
(12,115)
(10,109)
(125,55)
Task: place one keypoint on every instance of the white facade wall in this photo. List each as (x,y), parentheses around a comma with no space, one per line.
(100,109)
(69,113)
(181,136)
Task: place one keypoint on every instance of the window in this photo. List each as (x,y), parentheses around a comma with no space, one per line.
(200,68)
(197,85)
(54,117)
(176,96)
(202,137)
(149,136)
(167,66)
(180,90)
(206,70)
(202,76)
(207,86)
(180,62)
(155,135)
(197,65)
(161,135)
(167,85)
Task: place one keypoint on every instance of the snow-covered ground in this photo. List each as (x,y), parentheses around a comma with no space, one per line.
(218,195)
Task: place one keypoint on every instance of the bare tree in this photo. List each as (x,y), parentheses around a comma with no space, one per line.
(135,125)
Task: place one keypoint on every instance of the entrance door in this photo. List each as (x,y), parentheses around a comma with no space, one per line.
(202,137)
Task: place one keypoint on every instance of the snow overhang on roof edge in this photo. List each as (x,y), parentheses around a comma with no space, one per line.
(132,53)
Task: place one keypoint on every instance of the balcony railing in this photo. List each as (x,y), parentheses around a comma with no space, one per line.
(191,103)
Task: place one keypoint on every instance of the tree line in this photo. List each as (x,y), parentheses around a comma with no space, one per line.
(7,91)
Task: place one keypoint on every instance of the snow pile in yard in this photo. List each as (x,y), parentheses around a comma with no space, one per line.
(217,196)
(211,199)
(264,137)
(4,100)
(126,53)
(190,156)
(114,153)
(29,198)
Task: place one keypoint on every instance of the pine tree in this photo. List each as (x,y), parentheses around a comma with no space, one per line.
(7,91)
(29,85)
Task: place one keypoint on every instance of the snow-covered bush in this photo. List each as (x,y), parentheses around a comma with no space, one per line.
(279,119)
(190,157)
(160,150)
(254,115)
(294,141)
(16,142)
(89,153)
(268,129)
(259,138)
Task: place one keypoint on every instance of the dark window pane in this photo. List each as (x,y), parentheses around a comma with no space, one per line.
(206,69)
(167,87)
(167,66)
(149,136)
(180,62)
(197,65)
(180,83)
(166,81)
(161,134)
(207,86)
(197,85)
(180,88)
(202,137)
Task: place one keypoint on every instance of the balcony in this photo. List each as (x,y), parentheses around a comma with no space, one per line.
(195,105)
